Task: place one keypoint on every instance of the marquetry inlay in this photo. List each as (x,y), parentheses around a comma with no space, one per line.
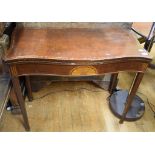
(84,70)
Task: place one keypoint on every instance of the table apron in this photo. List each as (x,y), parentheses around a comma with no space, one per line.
(81,70)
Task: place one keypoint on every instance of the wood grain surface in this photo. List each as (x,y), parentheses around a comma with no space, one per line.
(74,44)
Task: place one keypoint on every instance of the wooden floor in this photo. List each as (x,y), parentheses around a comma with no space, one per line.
(82,106)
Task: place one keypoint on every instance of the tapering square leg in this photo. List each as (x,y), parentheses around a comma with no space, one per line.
(113,82)
(19,95)
(132,92)
(28,88)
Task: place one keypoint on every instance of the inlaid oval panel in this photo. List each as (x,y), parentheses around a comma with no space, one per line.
(84,70)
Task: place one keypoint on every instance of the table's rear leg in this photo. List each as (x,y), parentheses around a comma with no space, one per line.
(132,93)
(28,88)
(113,82)
(19,95)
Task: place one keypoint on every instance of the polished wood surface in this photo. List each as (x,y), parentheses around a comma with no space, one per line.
(66,107)
(52,69)
(111,42)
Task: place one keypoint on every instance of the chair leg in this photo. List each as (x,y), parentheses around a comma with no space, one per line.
(19,95)
(28,88)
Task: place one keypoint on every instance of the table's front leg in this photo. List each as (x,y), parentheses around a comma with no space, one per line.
(132,93)
(19,95)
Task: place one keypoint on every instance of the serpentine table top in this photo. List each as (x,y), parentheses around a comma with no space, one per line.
(74,45)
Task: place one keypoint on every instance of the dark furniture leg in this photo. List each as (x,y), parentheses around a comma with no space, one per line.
(113,82)
(14,103)
(19,95)
(131,95)
(28,88)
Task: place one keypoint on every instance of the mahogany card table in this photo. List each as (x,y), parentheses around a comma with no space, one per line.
(78,53)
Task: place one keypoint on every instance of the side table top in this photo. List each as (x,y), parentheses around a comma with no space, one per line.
(74,44)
